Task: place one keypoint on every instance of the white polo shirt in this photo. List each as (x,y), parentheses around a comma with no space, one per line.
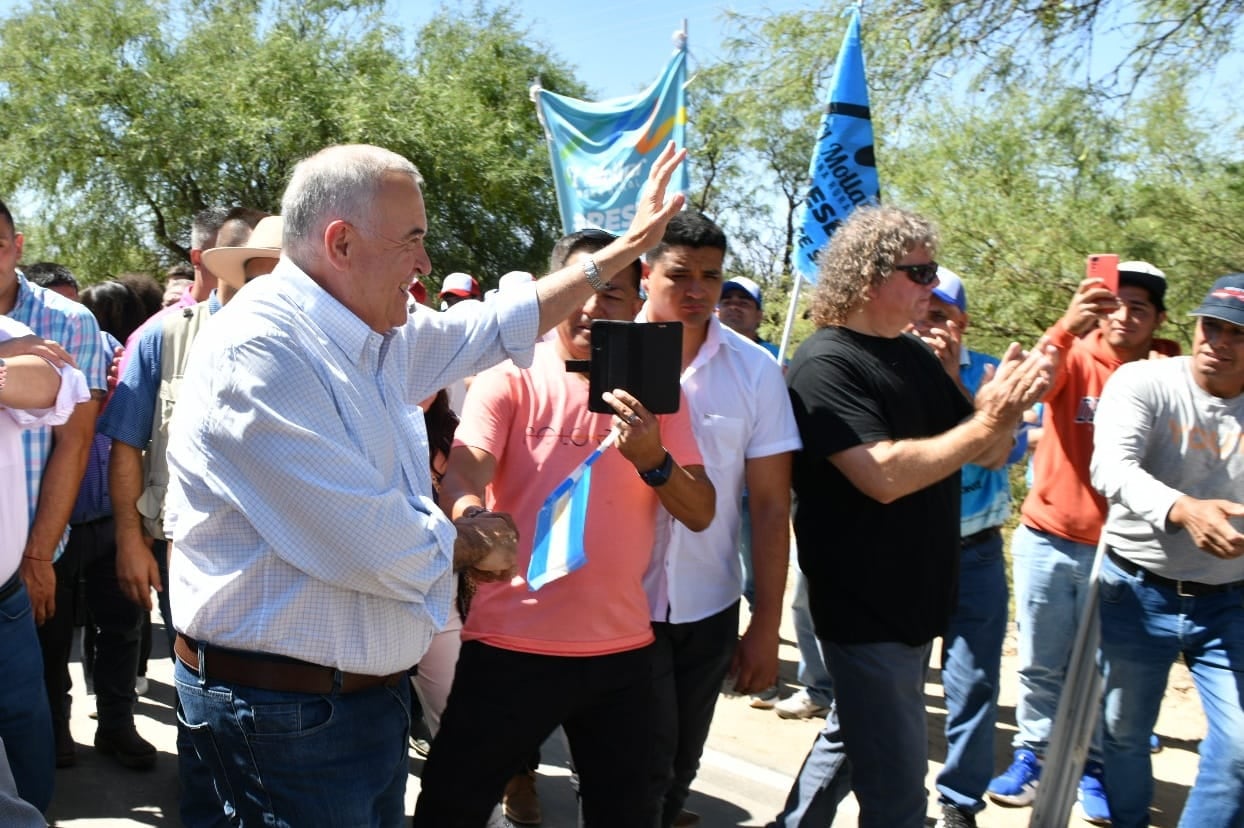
(740,410)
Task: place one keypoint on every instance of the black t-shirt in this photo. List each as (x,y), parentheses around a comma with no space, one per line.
(876,572)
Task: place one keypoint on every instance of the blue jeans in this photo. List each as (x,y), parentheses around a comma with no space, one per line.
(290,759)
(25,718)
(971,664)
(1144,628)
(874,741)
(1051,587)
(812,671)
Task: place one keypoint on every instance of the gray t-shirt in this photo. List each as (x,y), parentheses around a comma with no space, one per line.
(1157,436)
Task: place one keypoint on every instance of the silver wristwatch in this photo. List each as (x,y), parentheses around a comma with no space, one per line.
(592,273)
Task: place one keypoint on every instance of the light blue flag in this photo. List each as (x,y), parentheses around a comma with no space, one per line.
(557,546)
(602,151)
(843,171)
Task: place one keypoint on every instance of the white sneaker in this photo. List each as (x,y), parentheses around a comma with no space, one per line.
(141,686)
(799,706)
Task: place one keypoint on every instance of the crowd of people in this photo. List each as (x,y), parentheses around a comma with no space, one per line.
(356,511)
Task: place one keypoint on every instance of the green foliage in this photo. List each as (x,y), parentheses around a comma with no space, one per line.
(122,118)
(1029,185)
(1025,167)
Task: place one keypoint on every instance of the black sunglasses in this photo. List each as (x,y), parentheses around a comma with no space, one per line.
(921,274)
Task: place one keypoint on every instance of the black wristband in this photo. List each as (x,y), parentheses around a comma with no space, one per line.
(661,474)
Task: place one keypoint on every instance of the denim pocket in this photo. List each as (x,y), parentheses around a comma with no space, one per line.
(286,719)
(205,746)
(1114,584)
(16,607)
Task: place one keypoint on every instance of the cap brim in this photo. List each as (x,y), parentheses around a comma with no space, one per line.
(1221,315)
(735,286)
(228,264)
(465,294)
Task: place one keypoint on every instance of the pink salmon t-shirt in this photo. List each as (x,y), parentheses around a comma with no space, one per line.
(535,422)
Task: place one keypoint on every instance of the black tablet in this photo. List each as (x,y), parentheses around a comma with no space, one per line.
(642,358)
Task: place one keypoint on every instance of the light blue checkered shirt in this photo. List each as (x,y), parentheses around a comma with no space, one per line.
(300,501)
(54,317)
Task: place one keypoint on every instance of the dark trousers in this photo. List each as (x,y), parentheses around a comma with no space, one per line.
(86,578)
(504,704)
(160,549)
(690,665)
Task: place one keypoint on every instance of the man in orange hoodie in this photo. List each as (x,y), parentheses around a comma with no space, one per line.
(1053,548)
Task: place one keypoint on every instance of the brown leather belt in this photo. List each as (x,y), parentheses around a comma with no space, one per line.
(276,673)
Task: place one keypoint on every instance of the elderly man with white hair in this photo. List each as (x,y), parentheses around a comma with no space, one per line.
(312,566)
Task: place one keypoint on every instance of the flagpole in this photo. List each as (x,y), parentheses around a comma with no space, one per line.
(842,173)
(790,317)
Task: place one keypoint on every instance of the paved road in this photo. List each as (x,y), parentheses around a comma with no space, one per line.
(751,757)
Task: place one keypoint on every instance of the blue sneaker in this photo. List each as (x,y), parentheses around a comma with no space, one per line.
(1017,785)
(1092,797)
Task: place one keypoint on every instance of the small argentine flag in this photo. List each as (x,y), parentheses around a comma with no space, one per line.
(557,549)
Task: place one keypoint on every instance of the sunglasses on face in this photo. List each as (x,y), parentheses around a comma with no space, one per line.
(921,274)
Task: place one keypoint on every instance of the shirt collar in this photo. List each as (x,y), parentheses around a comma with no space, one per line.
(340,325)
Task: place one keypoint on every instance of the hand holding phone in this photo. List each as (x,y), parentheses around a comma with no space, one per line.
(1104,266)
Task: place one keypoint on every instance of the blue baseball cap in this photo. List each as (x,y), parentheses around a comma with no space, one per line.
(950,289)
(1225,300)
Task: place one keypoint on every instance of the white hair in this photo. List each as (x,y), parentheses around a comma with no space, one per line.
(339,182)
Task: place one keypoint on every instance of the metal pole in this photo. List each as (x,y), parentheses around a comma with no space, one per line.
(790,318)
(1078,708)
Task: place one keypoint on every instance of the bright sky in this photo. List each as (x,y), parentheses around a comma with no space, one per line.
(623,50)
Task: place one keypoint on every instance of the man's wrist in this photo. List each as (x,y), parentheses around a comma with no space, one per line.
(660,474)
(591,272)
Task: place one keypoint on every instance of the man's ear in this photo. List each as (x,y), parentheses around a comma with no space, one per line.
(338,244)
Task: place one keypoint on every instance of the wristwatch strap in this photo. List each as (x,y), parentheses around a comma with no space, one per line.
(592,273)
(661,474)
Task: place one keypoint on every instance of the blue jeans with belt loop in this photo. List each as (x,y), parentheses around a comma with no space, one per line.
(1144,628)
(292,759)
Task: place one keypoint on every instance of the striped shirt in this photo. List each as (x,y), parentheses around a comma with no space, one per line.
(54,317)
(300,499)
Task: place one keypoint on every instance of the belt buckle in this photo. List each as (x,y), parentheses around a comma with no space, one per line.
(1179,590)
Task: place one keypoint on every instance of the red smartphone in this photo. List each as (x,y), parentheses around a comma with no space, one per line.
(1104,266)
